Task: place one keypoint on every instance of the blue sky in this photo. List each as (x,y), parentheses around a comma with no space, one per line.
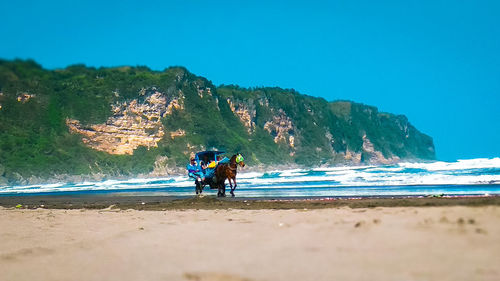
(437,62)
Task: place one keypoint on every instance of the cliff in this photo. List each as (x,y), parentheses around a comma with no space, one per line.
(131,120)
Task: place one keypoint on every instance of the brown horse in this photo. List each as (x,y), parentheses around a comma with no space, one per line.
(228,171)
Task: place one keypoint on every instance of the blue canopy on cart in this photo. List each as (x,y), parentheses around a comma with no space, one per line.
(207,156)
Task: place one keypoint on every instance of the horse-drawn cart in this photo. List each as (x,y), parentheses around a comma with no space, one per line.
(208,161)
(215,169)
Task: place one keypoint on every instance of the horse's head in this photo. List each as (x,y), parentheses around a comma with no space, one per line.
(239,160)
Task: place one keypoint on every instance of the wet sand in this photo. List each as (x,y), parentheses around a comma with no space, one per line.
(160,203)
(289,240)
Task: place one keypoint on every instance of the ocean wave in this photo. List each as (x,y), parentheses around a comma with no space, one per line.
(479,163)
(375,179)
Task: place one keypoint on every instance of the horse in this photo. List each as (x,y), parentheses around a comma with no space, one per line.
(228,171)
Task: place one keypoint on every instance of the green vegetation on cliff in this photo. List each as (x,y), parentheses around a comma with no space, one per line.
(267,125)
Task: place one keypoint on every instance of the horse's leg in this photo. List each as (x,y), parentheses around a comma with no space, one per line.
(219,190)
(230,185)
(233,188)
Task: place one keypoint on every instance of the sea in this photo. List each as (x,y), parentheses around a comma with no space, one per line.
(471,177)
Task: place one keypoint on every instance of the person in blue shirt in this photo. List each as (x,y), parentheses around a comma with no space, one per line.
(195,171)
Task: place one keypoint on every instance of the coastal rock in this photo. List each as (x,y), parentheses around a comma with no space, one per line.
(245,111)
(202,91)
(281,128)
(178,133)
(133,124)
(376,157)
(163,166)
(117,110)
(352,157)
(264,102)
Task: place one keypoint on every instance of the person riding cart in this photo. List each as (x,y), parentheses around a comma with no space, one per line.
(195,171)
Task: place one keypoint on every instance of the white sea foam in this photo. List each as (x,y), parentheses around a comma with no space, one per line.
(249,175)
(479,163)
(293,173)
(341,168)
(462,172)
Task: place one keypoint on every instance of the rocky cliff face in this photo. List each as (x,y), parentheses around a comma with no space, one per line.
(338,132)
(281,128)
(127,121)
(245,112)
(375,156)
(133,124)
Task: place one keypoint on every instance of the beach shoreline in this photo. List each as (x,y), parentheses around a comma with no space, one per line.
(316,241)
(210,202)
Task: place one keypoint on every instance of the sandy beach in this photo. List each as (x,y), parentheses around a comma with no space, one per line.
(336,243)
